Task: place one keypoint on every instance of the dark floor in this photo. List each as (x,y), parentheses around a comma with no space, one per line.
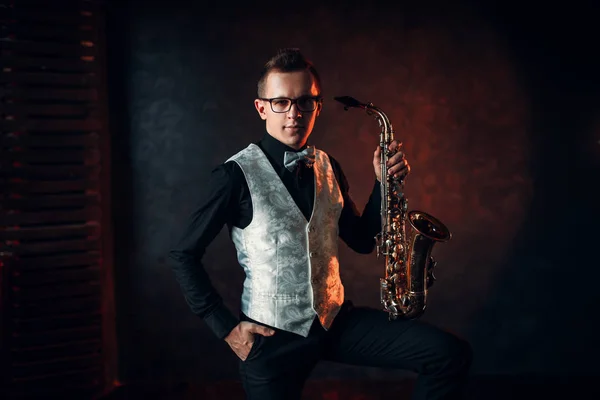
(484,388)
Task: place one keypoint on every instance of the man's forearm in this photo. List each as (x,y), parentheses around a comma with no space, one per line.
(359,230)
(200,294)
(372,211)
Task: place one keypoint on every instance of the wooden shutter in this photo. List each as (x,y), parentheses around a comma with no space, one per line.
(56,299)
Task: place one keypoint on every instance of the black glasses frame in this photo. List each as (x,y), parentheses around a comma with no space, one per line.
(318,100)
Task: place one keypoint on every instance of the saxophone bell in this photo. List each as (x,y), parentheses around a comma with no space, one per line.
(429,226)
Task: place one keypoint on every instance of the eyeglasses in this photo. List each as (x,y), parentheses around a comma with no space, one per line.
(284,104)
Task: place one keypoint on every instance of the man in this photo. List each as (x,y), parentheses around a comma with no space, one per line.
(285,203)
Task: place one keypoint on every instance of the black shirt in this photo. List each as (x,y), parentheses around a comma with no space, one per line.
(227,201)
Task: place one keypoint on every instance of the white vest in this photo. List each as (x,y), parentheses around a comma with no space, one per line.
(291,264)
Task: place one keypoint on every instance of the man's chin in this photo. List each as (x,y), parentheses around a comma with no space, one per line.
(295,139)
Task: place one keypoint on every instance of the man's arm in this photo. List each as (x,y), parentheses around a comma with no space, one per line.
(358,230)
(205,223)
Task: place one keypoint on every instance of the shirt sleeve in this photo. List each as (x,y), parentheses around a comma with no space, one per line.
(204,224)
(358,230)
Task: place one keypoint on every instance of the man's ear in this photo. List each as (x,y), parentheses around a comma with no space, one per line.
(260,108)
(319,108)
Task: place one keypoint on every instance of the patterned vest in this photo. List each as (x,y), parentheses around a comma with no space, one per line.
(291,264)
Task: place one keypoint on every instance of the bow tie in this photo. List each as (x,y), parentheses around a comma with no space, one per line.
(307,156)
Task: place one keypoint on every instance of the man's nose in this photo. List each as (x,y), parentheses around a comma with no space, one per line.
(294,112)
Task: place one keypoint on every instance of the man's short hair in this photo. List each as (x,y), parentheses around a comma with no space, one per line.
(287,60)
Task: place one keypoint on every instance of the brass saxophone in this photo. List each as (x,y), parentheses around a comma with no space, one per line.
(409,266)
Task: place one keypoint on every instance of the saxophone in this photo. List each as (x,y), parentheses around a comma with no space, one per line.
(409,266)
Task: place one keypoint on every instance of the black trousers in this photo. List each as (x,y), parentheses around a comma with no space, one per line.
(278,366)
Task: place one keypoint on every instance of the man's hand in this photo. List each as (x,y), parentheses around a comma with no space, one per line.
(397,164)
(241,338)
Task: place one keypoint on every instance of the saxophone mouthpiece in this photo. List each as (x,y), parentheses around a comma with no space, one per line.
(349,102)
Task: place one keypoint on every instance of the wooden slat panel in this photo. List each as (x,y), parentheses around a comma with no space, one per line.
(50,293)
(30,339)
(83,95)
(54,110)
(53,203)
(87,304)
(49,360)
(59,379)
(73,391)
(91,156)
(45,366)
(47,64)
(43,139)
(68,321)
(50,232)
(47,78)
(49,172)
(50,125)
(49,48)
(53,351)
(48,187)
(54,34)
(49,351)
(54,5)
(49,16)
(51,217)
(25,249)
(45,202)
(69,6)
(50,262)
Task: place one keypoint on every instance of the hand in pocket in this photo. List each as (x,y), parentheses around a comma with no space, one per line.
(241,338)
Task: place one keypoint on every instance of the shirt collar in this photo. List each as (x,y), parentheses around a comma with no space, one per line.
(274,149)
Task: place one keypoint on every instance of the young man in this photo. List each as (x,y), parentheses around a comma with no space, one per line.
(286,203)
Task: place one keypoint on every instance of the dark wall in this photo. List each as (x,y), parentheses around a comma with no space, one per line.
(499,115)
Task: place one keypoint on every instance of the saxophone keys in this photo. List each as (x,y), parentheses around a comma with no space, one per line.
(432,262)
(405,301)
(400,248)
(398,266)
(398,278)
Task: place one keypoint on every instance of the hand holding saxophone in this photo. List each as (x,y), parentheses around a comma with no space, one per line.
(397,165)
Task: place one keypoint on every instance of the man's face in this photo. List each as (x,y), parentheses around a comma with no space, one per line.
(294,126)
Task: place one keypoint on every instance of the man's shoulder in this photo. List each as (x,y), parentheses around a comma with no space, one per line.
(230,167)
(248,150)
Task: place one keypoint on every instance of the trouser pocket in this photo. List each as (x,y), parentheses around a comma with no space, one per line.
(255,349)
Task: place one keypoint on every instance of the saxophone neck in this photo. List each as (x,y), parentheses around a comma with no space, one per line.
(385,126)
(387,131)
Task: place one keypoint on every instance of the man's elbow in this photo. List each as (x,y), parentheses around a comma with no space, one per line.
(180,257)
(175,255)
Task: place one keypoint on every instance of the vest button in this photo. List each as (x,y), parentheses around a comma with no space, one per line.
(311,254)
